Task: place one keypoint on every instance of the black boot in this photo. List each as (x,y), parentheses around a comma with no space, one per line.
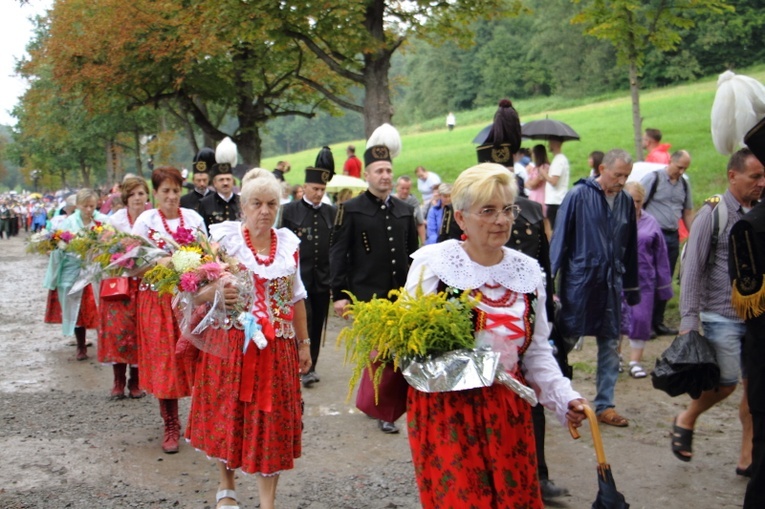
(134,387)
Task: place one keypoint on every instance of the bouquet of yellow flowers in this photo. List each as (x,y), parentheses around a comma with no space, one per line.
(406,327)
(86,240)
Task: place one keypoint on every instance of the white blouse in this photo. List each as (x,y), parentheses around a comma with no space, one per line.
(120,221)
(449,263)
(150,219)
(230,236)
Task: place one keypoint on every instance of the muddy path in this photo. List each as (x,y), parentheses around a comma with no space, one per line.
(64,444)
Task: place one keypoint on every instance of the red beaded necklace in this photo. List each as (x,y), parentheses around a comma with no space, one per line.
(271,254)
(507,300)
(164,221)
(131,221)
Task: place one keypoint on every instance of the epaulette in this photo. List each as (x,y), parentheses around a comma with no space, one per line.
(748,288)
(713,200)
(339,216)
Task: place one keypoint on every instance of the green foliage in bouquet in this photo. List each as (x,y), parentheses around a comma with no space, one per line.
(418,325)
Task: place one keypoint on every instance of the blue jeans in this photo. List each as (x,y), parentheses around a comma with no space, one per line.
(726,338)
(607,373)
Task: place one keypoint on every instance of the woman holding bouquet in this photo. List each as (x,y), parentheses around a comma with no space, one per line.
(482,440)
(246,408)
(76,312)
(162,373)
(117,336)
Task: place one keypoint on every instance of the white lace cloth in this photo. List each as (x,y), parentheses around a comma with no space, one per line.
(449,263)
(229,235)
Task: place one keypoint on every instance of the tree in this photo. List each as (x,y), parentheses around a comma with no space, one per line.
(356,40)
(201,61)
(635,26)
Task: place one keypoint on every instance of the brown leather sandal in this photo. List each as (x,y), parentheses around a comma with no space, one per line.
(610,417)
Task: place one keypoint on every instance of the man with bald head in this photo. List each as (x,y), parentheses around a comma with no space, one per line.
(669,200)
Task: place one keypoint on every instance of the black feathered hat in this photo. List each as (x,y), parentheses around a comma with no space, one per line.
(383,145)
(323,170)
(755,140)
(504,139)
(204,160)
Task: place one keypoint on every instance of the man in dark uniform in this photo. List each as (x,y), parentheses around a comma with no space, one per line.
(223,204)
(746,264)
(203,162)
(312,222)
(374,234)
(529,235)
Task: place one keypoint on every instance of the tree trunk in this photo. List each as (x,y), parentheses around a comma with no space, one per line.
(138,163)
(85,173)
(249,146)
(377,106)
(637,121)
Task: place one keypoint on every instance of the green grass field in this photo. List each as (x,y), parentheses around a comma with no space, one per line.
(681,112)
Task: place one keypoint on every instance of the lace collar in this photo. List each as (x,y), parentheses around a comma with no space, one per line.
(454,267)
(229,234)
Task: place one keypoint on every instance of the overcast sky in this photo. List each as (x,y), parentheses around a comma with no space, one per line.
(14,36)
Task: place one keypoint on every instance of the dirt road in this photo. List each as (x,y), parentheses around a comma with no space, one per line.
(64,444)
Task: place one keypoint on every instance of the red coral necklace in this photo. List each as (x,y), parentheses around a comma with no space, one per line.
(271,254)
(507,299)
(164,221)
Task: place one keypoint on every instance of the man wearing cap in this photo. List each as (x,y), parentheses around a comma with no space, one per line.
(374,234)
(312,221)
(223,204)
(203,162)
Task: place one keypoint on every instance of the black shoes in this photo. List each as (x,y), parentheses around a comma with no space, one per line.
(550,491)
(309,379)
(663,330)
(387,427)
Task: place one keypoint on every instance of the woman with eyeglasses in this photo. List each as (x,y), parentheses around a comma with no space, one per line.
(482,440)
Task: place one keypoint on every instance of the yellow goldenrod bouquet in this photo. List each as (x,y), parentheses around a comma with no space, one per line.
(407,326)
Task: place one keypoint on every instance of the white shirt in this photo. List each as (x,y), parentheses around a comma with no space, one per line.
(559,167)
(151,219)
(425,187)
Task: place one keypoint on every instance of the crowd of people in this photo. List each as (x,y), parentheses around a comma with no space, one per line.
(548,264)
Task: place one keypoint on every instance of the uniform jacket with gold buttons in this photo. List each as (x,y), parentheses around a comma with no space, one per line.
(313,226)
(215,209)
(371,245)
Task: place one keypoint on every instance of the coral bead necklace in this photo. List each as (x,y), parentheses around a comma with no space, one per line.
(164,221)
(272,252)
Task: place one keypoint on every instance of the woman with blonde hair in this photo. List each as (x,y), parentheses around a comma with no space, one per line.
(76,312)
(482,440)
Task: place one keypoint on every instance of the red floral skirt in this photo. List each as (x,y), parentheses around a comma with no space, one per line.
(117,336)
(162,373)
(237,432)
(88,315)
(473,448)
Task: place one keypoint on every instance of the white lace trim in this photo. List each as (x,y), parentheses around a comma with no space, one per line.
(229,234)
(453,266)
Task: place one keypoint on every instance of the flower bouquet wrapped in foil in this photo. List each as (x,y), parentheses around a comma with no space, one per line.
(460,370)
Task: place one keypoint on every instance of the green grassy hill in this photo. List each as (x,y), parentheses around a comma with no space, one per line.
(681,112)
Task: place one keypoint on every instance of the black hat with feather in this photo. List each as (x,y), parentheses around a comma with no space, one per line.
(504,139)
(323,170)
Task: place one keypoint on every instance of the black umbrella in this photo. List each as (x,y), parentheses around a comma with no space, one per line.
(608,497)
(548,128)
(689,365)
(482,135)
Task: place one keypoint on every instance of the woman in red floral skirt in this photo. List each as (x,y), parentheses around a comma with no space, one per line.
(117,336)
(246,408)
(475,448)
(162,373)
(76,312)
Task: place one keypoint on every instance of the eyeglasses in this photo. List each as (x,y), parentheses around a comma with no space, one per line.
(492,213)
